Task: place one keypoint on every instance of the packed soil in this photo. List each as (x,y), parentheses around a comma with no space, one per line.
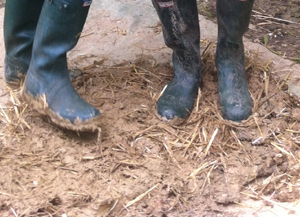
(137,165)
(274,24)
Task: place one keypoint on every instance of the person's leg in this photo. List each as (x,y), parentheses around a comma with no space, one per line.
(20,21)
(233,22)
(47,85)
(181,31)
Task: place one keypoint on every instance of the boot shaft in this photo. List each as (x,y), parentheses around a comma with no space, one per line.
(233,19)
(58,31)
(180,24)
(20,21)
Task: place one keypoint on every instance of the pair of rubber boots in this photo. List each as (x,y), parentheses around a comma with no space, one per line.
(38,33)
(181,31)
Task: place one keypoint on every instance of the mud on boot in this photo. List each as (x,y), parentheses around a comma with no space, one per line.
(182,34)
(233,22)
(47,85)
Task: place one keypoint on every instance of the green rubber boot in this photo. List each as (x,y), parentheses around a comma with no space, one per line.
(47,85)
(233,22)
(20,21)
(182,34)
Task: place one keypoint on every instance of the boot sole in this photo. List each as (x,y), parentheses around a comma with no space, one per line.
(172,122)
(40,105)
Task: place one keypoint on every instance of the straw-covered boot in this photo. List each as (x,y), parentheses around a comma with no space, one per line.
(233,22)
(47,85)
(20,21)
(181,31)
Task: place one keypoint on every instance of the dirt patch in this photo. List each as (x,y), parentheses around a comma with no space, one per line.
(141,166)
(274,24)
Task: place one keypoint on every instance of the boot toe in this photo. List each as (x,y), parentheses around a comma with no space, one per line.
(171,113)
(83,114)
(236,104)
(72,107)
(174,109)
(177,101)
(237,113)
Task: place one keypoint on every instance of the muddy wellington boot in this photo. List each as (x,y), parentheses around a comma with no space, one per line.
(47,85)
(20,21)
(181,31)
(233,22)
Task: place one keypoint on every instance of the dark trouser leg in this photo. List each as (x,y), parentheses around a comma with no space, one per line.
(181,31)
(47,85)
(20,21)
(233,21)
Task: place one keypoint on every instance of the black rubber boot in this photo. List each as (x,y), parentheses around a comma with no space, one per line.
(233,22)
(20,21)
(47,85)
(181,31)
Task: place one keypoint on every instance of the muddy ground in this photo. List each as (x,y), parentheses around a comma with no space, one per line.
(140,166)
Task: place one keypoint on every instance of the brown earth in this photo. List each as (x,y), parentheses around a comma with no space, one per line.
(196,169)
(275,24)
